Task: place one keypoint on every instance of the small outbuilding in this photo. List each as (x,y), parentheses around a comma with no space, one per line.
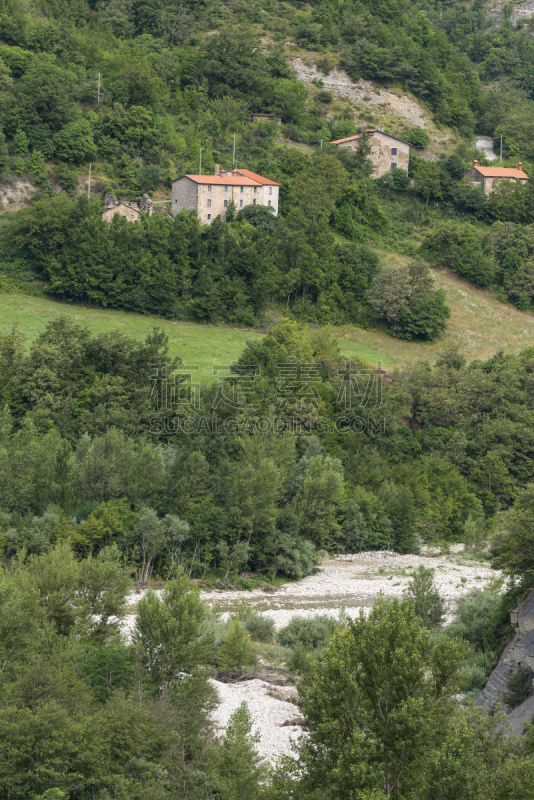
(487,177)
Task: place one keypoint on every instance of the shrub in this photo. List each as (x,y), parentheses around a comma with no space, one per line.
(325,97)
(416,136)
(399,178)
(519,686)
(427,601)
(236,649)
(478,613)
(260,628)
(311,633)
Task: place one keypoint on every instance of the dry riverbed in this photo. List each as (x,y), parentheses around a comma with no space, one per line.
(348,583)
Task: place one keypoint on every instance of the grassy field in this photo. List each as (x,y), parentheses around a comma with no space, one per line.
(479,324)
(198,345)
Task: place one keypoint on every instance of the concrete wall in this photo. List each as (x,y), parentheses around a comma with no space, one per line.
(381,146)
(184,195)
(131,214)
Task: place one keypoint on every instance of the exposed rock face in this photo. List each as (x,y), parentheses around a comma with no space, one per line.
(517,11)
(15,194)
(519,652)
(338,82)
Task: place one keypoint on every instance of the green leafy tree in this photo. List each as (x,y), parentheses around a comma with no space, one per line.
(168,633)
(379,698)
(236,649)
(427,601)
(74,142)
(516,556)
(239,770)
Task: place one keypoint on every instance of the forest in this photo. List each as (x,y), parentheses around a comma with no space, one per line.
(100,485)
(122,478)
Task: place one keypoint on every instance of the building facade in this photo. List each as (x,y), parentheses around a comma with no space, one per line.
(489,177)
(210,195)
(387,152)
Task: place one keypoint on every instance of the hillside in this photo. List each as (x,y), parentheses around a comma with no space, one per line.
(479,325)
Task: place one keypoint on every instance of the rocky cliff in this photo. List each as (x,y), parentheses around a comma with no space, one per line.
(519,651)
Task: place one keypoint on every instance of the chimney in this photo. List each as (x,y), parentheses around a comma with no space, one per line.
(217,169)
(475,163)
(520,165)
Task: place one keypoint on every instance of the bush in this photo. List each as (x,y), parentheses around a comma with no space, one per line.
(475,622)
(416,136)
(236,649)
(325,97)
(149,178)
(260,628)
(427,601)
(519,686)
(399,178)
(311,633)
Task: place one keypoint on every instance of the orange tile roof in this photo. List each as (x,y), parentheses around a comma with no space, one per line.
(222,180)
(502,172)
(356,136)
(254,177)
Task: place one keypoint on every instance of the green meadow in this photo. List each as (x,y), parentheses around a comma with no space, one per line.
(205,346)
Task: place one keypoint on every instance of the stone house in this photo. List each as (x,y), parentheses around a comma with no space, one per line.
(210,195)
(387,152)
(124,208)
(485,177)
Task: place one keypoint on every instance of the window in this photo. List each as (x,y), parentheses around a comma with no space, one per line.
(208,202)
(349,148)
(209,217)
(255,190)
(242,189)
(268,202)
(393,165)
(209,187)
(393,151)
(175,202)
(240,204)
(225,203)
(270,189)
(253,202)
(226,188)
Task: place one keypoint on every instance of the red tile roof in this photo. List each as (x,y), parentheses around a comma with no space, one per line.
(222,180)
(502,172)
(254,177)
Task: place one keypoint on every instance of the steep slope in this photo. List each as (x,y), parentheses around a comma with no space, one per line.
(518,652)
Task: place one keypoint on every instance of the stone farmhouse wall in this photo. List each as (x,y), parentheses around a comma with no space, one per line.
(184,195)
(476,177)
(131,214)
(386,152)
(212,200)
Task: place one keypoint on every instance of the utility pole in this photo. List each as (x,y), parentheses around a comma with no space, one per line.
(233,152)
(321,144)
(98,95)
(501,146)
(200,164)
(89,183)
